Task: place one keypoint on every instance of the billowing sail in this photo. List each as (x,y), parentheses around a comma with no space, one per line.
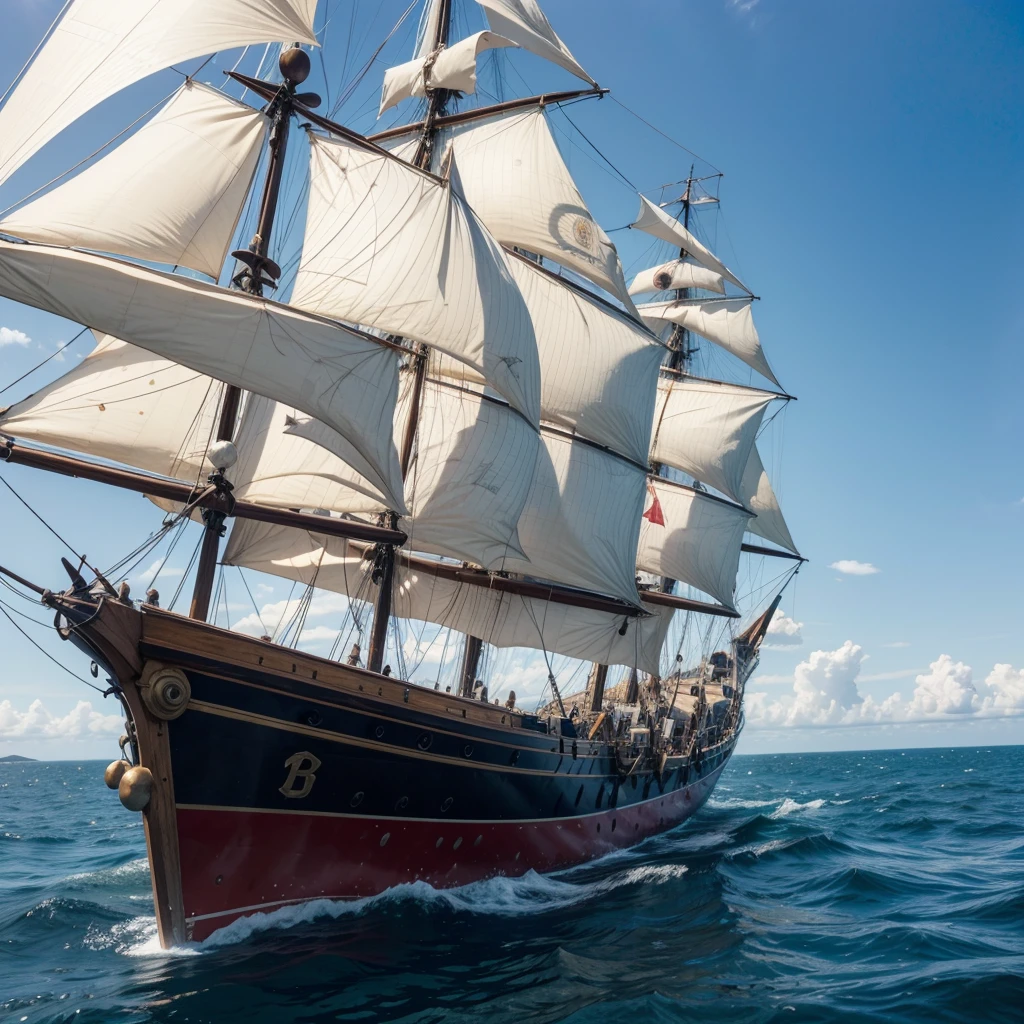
(498,618)
(677,274)
(101,46)
(729,323)
(124,404)
(523,22)
(516,181)
(346,379)
(707,429)
(393,248)
(655,221)
(756,494)
(454,68)
(692,537)
(598,367)
(582,519)
(172,193)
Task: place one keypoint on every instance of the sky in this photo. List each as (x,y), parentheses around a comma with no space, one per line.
(871,197)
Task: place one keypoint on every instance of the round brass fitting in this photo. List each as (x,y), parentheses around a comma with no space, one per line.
(165,691)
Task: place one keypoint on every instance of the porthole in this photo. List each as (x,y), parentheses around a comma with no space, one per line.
(599,826)
(313,718)
(600,797)
(478,840)
(401,803)
(357,799)
(424,741)
(440,840)
(467,750)
(579,796)
(379,732)
(446,803)
(614,822)
(457,843)
(514,759)
(384,839)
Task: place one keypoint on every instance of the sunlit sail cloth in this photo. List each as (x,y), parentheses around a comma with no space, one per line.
(453,68)
(101,46)
(346,379)
(582,519)
(497,617)
(677,274)
(729,323)
(708,429)
(692,537)
(391,247)
(655,221)
(518,184)
(758,496)
(524,22)
(172,193)
(598,366)
(124,404)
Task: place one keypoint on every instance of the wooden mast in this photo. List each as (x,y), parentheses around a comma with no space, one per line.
(261,271)
(384,569)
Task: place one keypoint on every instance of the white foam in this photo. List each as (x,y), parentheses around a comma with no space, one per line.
(788,807)
(727,802)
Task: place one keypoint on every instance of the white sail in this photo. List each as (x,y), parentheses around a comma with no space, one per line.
(101,46)
(347,380)
(707,429)
(517,182)
(172,193)
(500,619)
(472,476)
(598,366)
(523,21)
(677,274)
(692,537)
(729,323)
(756,494)
(393,248)
(582,519)
(124,404)
(453,68)
(655,221)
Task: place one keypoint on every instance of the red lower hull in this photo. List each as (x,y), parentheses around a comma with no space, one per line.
(238,862)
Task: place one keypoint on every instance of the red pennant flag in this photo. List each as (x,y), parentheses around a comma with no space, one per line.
(654,514)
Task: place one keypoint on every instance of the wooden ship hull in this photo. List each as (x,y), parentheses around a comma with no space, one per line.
(285,778)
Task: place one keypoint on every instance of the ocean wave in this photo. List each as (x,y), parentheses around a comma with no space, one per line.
(788,807)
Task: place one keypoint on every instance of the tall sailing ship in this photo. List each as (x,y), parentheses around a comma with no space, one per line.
(460,418)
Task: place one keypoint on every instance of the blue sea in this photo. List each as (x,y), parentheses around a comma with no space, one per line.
(884,886)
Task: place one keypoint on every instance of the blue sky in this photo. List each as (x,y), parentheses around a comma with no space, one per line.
(872,157)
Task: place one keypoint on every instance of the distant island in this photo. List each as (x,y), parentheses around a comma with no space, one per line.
(7,758)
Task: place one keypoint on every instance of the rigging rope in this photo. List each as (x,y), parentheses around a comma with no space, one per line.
(81,558)
(696,156)
(52,355)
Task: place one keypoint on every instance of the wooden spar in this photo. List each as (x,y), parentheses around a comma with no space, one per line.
(541,100)
(470,664)
(386,556)
(757,549)
(175,490)
(598,677)
(258,263)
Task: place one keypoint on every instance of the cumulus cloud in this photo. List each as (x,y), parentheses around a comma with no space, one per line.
(282,612)
(82,721)
(851,567)
(825,692)
(898,643)
(9,336)
(784,631)
(167,572)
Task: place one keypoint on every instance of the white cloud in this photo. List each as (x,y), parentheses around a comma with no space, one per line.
(168,572)
(878,677)
(82,721)
(898,643)
(784,631)
(851,567)
(281,613)
(319,634)
(9,336)
(825,692)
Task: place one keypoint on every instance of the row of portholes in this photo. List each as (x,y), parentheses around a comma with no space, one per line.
(400,805)
(440,840)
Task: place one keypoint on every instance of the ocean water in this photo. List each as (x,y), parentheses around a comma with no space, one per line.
(884,886)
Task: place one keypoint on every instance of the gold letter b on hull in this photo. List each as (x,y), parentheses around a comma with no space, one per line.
(302,765)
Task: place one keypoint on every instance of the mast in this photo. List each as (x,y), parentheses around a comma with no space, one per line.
(261,271)
(384,567)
